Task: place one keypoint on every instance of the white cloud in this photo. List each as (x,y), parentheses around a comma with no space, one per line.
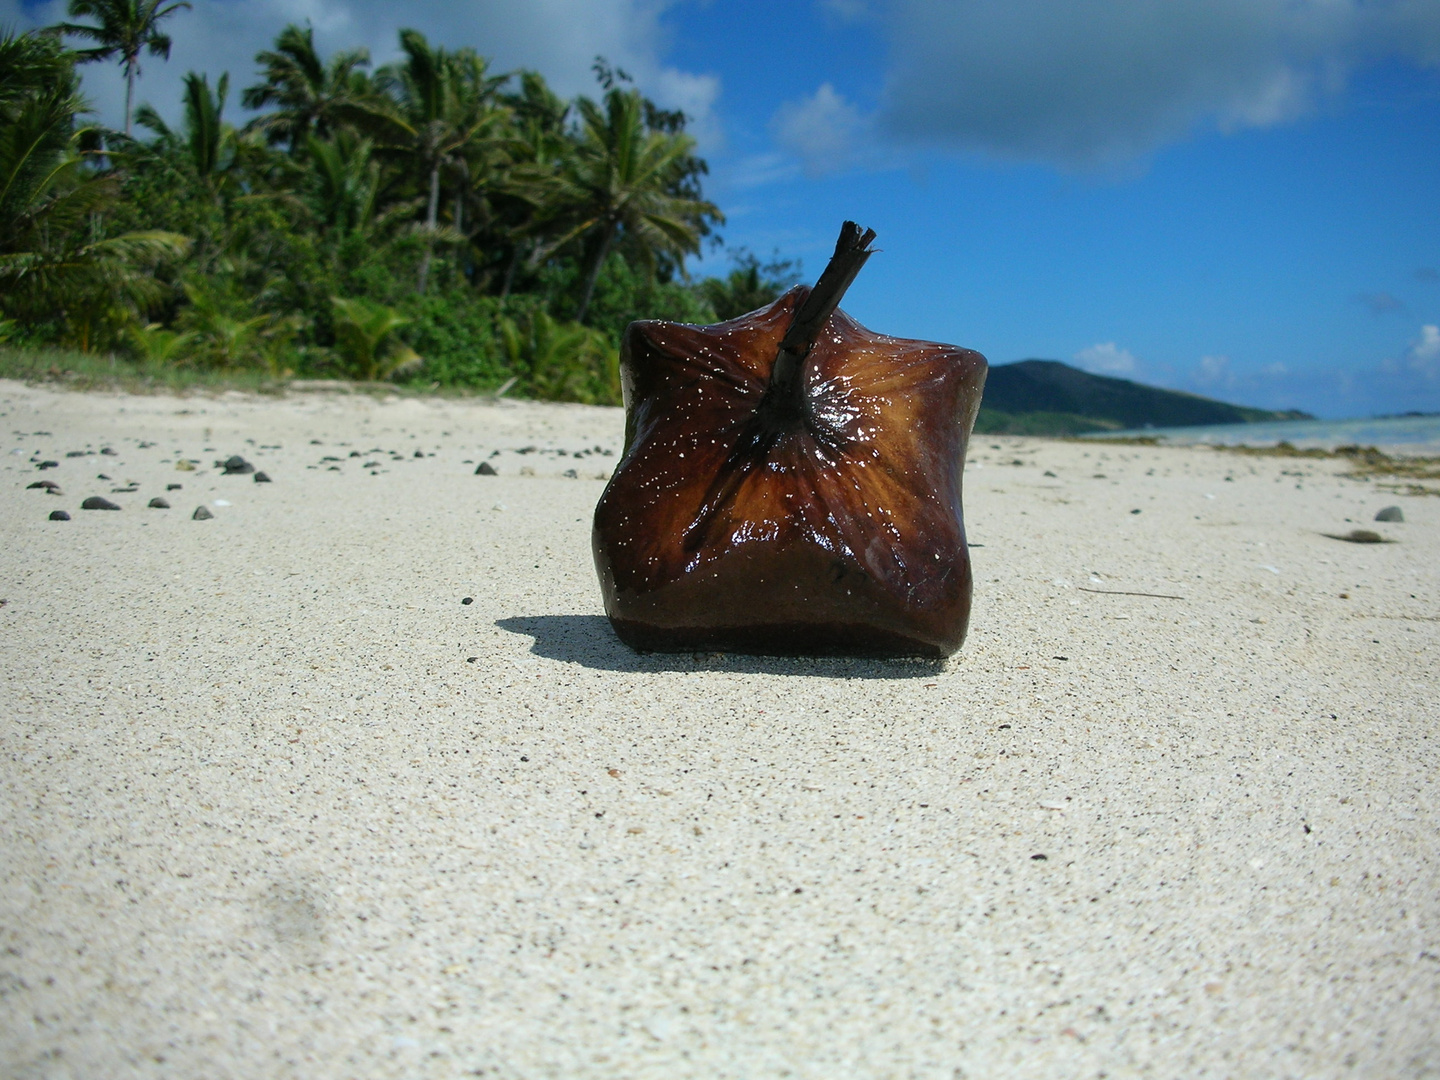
(1213,371)
(756,170)
(1091,83)
(559,38)
(825,131)
(845,11)
(1424,352)
(1106,358)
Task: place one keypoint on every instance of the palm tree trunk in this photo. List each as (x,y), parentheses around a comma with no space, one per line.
(510,271)
(129,94)
(431,216)
(592,275)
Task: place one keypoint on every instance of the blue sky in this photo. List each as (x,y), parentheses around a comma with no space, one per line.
(1235,197)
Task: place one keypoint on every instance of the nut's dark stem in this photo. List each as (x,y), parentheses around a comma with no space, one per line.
(786,406)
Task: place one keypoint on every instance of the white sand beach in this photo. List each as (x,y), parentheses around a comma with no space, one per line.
(277,802)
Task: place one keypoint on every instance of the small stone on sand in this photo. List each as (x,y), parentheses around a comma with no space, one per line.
(59,515)
(173,487)
(202,513)
(158,503)
(486,469)
(237,466)
(1390,513)
(261,478)
(97,502)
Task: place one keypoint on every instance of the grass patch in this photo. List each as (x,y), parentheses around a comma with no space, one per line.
(92,371)
(1366,462)
(70,370)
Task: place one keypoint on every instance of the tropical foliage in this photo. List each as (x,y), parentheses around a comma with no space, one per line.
(431,221)
(61,274)
(126,28)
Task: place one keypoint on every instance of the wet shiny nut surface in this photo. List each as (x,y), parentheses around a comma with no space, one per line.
(840,534)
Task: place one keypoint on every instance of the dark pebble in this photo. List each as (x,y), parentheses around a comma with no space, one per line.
(173,487)
(419,453)
(354,453)
(74,453)
(48,465)
(1390,513)
(1039,858)
(101,476)
(1359,536)
(202,513)
(486,469)
(158,503)
(237,466)
(96,502)
(48,485)
(468,600)
(1134,511)
(570,474)
(471,659)
(261,478)
(109,452)
(59,515)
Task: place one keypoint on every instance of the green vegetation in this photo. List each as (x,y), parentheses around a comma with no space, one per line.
(998,422)
(1046,397)
(430,222)
(1366,462)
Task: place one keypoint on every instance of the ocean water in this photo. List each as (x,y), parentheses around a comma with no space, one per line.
(1413,435)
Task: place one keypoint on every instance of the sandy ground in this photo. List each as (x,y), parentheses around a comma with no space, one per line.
(275,802)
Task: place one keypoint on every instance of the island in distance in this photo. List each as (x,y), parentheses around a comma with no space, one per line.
(1046,397)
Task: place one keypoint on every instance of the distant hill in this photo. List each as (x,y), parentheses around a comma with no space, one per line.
(1046,397)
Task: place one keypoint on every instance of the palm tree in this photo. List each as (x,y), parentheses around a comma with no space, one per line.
(31,64)
(56,265)
(225,329)
(127,27)
(624,180)
(750,285)
(308,91)
(365,339)
(562,361)
(539,143)
(438,107)
(345,188)
(205,140)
